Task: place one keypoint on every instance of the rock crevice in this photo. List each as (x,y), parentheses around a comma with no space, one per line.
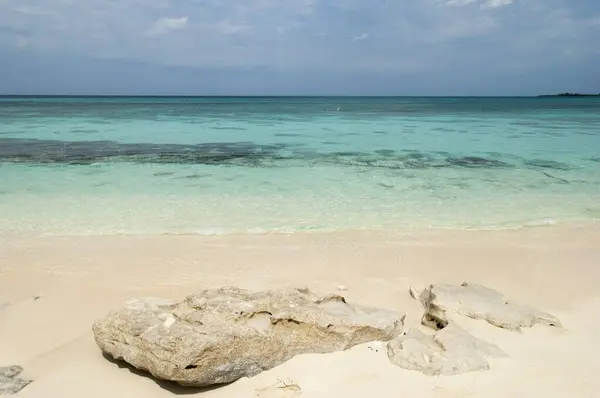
(451,350)
(480,302)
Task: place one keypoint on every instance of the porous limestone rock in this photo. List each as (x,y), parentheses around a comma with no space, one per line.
(448,352)
(9,382)
(220,335)
(478,302)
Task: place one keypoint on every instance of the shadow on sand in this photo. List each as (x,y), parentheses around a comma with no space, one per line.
(164,384)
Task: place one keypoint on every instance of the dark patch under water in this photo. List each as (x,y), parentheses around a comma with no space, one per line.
(228,128)
(288,135)
(245,154)
(386,186)
(475,161)
(196,176)
(555,178)
(87,152)
(163,173)
(385,152)
(547,164)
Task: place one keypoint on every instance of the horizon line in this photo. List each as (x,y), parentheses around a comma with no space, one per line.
(271,96)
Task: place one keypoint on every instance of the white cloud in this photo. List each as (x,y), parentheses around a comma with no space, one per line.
(362,36)
(302,34)
(165,25)
(33,10)
(227,27)
(498,3)
(460,3)
(482,4)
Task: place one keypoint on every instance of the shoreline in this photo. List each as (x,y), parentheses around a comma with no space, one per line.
(545,224)
(54,287)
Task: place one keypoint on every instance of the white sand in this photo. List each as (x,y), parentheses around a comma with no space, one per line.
(80,278)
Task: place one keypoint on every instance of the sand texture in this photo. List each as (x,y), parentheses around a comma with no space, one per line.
(53,289)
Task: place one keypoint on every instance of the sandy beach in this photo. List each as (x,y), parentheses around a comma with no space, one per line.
(299,199)
(53,288)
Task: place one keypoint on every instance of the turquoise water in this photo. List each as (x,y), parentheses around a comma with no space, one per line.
(93,165)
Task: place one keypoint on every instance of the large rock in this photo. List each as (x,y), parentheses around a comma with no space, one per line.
(9,382)
(478,302)
(220,335)
(448,352)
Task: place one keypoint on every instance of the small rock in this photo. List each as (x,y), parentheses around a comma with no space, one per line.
(9,382)
(415,292)
(342,288)
(479,302)
(9,372)
(448,352)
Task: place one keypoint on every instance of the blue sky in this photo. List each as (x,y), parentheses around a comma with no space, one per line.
(357,47)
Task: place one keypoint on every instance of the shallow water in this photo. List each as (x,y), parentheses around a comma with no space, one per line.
(251,165)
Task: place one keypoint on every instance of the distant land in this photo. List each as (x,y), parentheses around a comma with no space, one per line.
(570,95)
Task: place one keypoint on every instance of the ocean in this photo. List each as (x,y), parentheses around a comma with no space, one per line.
(230,165)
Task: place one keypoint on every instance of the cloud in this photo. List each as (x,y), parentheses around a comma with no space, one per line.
(498,3)
(362,36)
(460,3)
(226,27)
(315,35)
(165,25)
(21,41)
(482,4)
(33,10)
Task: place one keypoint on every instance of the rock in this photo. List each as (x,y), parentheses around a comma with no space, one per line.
(478,302)
(415,292)
(342,288)
(9,382)
(220,335)
(10,372)
(448,352)
(376,346)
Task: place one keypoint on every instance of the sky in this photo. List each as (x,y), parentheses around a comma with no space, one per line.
(299,47)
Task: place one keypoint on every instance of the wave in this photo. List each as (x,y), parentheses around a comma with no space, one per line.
(258,231)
